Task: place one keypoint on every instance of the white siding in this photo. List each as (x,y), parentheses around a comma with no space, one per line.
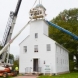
(42,53)
(45,29)
(63,59)
(50,57)
(39,27)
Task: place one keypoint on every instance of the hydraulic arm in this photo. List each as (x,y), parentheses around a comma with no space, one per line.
(6,46)
(63,30)
(9,30)
(10,24)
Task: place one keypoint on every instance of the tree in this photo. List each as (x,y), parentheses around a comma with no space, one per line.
(0,47)
(11,56)
(67,19)
(16,62)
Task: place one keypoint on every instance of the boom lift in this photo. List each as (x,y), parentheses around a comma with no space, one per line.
(6,71)
(7,39)
(63,30)
(4,67)
(8,32)
(38,12)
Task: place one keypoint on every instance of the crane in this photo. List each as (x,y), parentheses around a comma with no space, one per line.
(63,30)
(8,31)
(50,23)
(6,46)
(5,71)
(7,39)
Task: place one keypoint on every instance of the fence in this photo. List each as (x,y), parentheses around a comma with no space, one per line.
(30,70)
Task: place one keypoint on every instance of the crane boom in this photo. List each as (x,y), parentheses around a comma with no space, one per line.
(63,30)
(10,24)
(6,46)
(9,30)
(17,7)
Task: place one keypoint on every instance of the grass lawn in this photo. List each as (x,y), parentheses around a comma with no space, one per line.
(69,75)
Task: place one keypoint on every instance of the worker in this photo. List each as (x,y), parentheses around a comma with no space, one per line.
(17,69)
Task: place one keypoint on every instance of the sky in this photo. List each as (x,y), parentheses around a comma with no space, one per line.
(53,8)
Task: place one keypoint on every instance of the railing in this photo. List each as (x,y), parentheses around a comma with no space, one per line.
(29,70)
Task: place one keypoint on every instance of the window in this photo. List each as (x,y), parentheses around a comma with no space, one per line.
(36,35)
(57,59)
(36,48)
(25,48)
(48,47)
(61,61)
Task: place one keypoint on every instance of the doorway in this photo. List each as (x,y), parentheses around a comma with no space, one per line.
(35,65)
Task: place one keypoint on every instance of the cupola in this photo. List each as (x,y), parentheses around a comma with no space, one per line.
(37,12)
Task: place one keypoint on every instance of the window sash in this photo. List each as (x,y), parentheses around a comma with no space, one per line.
(25,48)
(36,35)
(48,47)
(36,48)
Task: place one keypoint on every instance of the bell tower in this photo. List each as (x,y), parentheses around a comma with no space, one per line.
(38,12)
(38,25)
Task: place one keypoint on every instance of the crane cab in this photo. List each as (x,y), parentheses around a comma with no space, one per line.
(37,12)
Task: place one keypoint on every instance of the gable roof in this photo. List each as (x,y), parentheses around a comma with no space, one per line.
(41,6)
(57,43)
(24,40)
(61,46)
(46,36)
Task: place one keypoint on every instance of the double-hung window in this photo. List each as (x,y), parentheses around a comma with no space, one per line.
(25,48)
(48,47)
(35,48)
(36,35)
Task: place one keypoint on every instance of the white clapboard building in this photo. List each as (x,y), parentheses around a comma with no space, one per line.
(38,52)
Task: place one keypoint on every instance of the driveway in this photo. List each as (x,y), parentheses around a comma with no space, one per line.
(26,77)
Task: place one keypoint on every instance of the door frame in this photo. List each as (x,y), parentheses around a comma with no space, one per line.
(37,63)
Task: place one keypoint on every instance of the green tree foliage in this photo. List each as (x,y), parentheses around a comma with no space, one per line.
(11,56)
(10,59)
(71,64)
(16,62)
(0,47)
(67,19)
